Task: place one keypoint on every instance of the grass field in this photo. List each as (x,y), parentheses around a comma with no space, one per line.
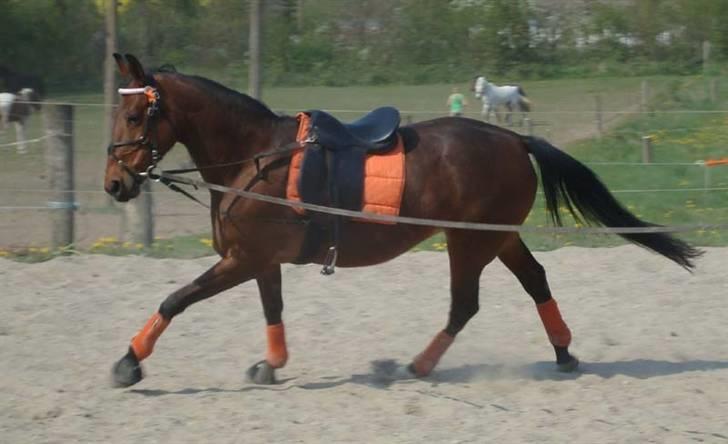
(685,129)
(564,112)
(681,140)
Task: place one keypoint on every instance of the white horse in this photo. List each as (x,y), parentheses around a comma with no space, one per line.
(493,96)
(16,108)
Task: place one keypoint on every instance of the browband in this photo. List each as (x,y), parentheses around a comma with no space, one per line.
(130,91)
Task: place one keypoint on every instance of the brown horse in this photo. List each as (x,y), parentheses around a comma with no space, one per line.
(456,169)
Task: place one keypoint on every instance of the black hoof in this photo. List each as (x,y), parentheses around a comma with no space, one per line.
(565,361)
(127,371)
(568,367)
(410,370)
(261,373)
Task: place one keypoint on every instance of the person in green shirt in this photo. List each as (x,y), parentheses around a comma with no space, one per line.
(456,102)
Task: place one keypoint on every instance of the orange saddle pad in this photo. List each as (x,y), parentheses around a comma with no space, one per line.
(383,182)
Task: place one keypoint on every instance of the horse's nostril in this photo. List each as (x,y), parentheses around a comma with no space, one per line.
(114,187)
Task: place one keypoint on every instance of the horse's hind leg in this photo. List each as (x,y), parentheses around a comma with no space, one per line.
(469,253)
(522,109)
(516,256)
(508,114)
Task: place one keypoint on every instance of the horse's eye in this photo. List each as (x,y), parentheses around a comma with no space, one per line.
(132,119)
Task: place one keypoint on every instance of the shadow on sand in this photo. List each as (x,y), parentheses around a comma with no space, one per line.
(387,372)
(635,368)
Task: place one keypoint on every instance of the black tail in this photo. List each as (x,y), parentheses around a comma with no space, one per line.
(569,182)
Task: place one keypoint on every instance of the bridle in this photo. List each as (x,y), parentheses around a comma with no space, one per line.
(146,140)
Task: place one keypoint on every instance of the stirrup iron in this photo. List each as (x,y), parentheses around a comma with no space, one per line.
(330,261)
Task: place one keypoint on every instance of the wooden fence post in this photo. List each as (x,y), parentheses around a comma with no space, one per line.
(110,67)
(599,117)
(529,125)
(706,56)
(254,44)
(706,183)
(646,149)
(58,122)
(139,218)
(645,96)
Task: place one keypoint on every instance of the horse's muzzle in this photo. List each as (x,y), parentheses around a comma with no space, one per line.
(118,190)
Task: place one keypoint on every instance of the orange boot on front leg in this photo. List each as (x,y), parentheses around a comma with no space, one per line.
(276,356)
(127,371)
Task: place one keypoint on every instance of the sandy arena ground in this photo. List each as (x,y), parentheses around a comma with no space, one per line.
(651,337)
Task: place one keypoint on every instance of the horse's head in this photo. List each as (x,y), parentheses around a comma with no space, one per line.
(141,135)
(479,86)
(30,95)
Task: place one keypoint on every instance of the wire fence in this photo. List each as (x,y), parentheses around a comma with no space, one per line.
(27,201)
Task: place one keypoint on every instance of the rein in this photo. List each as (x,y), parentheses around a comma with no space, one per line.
(436,223)
(164,177)
(169,179)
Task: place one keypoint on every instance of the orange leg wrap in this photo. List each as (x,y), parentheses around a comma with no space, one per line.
(428,359)
(143,342)
(557,330)
(277,353)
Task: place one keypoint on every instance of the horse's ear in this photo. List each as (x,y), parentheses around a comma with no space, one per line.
(135,68)
(122,64)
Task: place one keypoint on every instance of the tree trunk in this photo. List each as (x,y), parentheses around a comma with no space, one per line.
(254,49)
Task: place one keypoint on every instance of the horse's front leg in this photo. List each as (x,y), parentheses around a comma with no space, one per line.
(498,118)
(20,137)
(509,114)
(225,274)
(488,111)
(269,284)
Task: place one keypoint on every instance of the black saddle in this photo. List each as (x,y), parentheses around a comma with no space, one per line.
(332,172)
(373,133)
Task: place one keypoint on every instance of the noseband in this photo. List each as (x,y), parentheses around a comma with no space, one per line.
(146,140)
